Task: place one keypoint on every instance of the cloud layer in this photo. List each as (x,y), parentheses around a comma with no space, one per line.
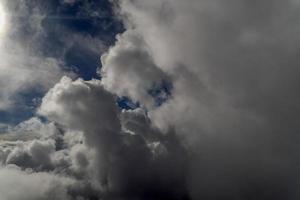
(233,68)
(227,128)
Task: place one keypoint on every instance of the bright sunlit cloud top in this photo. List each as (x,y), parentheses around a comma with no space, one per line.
(2,20)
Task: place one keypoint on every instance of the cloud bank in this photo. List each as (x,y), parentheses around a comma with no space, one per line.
(226,130)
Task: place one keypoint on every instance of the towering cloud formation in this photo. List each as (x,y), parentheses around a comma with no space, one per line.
(131,158)
(98,150)
(226,130)
(234,69)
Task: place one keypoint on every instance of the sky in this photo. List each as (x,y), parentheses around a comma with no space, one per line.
(149,100)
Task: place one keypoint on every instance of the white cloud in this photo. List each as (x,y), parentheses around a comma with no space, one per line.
(234,69)
(32,186)
(230,125)
(130,59)
(23,67)
(108,156)
(34,154)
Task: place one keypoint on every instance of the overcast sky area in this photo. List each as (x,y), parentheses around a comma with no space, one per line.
(149,100)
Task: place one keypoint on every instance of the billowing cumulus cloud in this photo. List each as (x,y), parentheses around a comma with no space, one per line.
(233,68)
(130,58)
(131,158)
(32,186)
(102,151)
(226,128)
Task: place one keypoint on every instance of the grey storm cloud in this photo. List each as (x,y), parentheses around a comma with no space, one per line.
(130,161)
(234,67)
(228,129)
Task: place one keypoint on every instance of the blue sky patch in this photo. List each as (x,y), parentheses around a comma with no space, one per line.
(126,103)
(161,92)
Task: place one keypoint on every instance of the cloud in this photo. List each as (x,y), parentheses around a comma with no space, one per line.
(40,46)
(21,72)
(23,67)
(130,58)
(227,130)
(32,186)
(131,158)
(234,101)
(35,154)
